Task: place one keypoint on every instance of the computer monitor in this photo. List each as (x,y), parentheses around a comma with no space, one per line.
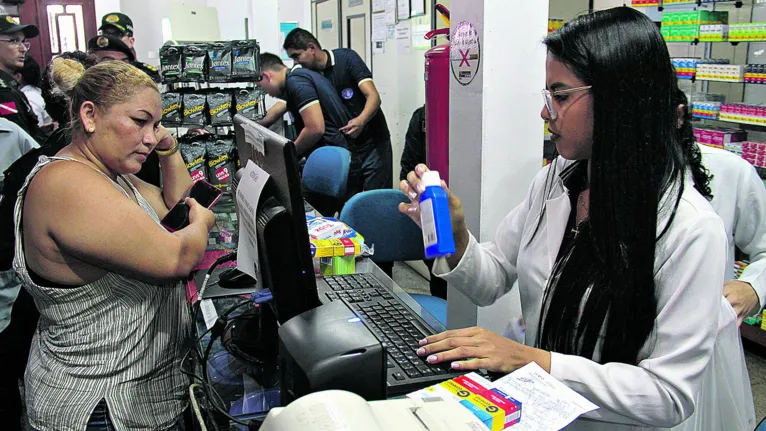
(284,250)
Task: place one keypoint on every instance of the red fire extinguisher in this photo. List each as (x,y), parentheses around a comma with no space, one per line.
(437,100)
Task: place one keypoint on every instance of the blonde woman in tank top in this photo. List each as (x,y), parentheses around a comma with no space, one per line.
(102,270)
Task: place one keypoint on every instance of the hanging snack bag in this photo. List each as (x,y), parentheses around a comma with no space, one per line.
(172,114)
(194,110)
(219,107)
(247,100)
(245,60)
(221,163)
(194,57)
(219,54)
(194,155)
(171,63)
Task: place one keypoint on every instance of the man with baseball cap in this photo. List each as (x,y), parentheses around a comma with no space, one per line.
(13,51)
(110,48)
(119,25)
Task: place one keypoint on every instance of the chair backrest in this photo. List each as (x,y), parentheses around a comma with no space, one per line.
(376,216)
(326,171)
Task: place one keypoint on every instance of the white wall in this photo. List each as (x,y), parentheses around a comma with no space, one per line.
(104,7)
(399,79)
(231,17)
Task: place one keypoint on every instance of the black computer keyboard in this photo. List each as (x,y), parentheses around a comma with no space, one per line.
(395,325)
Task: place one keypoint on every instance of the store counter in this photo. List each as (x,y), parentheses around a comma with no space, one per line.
(249,389)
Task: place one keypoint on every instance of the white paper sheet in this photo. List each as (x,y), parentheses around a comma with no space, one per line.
(390,11)
(379,27)
(417,7)
(248,194)
(546,403)
(379,47)
(419,32)
(403,9)
(391,32)
(404,37)
(378,6)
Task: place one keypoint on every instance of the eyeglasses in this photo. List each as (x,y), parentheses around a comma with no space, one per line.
(548,98)
(17,43)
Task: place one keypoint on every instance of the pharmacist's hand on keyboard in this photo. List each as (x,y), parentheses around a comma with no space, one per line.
(413,187)
(477,348)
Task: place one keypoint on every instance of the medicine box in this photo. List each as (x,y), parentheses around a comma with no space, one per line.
(496,409)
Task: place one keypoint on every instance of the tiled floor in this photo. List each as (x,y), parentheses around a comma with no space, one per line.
(413,282)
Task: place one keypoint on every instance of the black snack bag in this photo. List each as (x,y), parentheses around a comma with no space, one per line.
(219,54)
(219,107)
(171,63)
(194,155)
(172,114)
(247,100)
(245,64)
(194,57)
(194,110)
(221,163)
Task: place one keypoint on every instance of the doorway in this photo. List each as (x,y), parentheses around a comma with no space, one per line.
(65,25)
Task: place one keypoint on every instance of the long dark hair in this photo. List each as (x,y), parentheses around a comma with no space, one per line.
(690,149)
(607,270)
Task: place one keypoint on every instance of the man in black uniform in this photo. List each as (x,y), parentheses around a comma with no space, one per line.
(13,51)
(318,111)
(109,48)
(353,82)
(120,26)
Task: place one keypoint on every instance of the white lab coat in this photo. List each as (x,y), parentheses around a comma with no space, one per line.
(662,390)
(739,198)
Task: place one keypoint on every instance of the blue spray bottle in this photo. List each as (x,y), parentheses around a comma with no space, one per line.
(435,218)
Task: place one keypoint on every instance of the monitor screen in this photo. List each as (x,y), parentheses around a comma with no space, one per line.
(275,154)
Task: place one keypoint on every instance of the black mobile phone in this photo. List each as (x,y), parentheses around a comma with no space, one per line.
(203,192)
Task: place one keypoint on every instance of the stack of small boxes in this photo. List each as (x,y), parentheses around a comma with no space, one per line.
(755,153)
(706,109)
(555,24)
(747,32)
(721,72)
(334,246)
(721,137)
(686,26)
(755,73)
(743,113)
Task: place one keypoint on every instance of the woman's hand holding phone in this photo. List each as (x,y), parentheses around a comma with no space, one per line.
(200,214)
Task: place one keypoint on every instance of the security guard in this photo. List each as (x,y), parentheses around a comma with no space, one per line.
(109,48)
(13,51)
(119,25)
(353,82)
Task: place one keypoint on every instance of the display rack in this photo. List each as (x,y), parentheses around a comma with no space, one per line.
(740,13)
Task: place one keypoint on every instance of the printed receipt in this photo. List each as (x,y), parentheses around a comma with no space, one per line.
(248,193)
(546,403)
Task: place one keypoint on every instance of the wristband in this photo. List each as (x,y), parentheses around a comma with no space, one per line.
(170,151)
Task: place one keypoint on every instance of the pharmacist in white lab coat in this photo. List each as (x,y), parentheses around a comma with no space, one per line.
(739,198)
(619,260)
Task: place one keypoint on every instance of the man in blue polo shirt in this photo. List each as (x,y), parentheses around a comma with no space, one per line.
(353,82)
(318,111)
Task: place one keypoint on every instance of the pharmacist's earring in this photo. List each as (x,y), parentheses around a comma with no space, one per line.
(91,129)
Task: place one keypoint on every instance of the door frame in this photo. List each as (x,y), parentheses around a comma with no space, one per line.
(35,12)
(348,31)
(315,19)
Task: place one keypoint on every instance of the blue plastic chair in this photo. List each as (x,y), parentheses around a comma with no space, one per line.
(375,215)
(326,172)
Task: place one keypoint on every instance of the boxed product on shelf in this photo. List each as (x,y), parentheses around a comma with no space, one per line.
(555,24)
(747,31)
(755,153)
(714,33)
(721,72)
(706,109)
(686,68)
(645,3)
(755,73)
(719,136)
(743,113)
